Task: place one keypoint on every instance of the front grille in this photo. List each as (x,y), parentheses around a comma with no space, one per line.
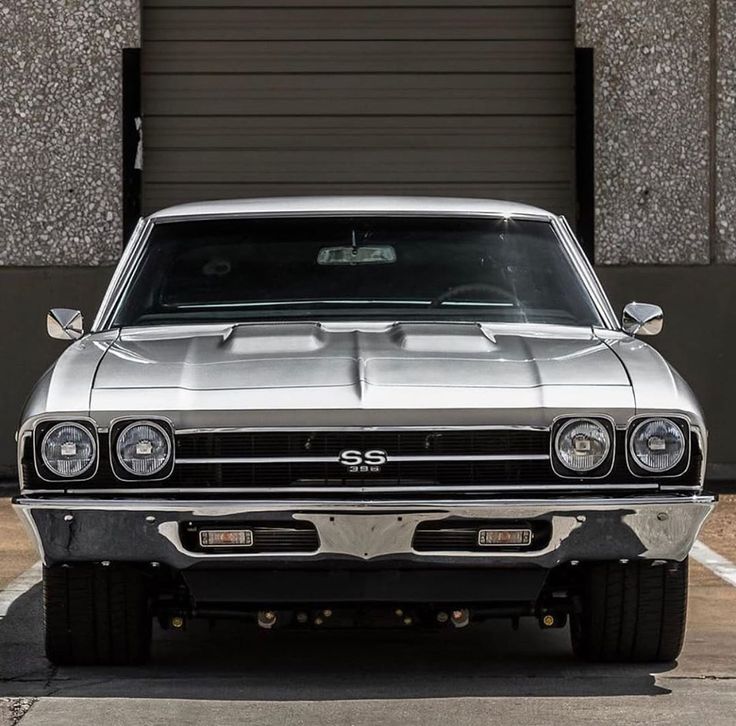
(417,474)
(301,462)
(329,443)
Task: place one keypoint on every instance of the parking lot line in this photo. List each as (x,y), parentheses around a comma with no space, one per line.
(24,582)
(719,565)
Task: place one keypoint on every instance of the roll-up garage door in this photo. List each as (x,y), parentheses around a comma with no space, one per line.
(245,98)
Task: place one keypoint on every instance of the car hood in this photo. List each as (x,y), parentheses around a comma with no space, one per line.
(368,366)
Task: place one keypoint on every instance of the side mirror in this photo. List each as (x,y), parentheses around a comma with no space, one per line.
(65,324)
(642,319)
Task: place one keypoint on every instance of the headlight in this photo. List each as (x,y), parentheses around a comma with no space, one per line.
(143,448)
(657,444)
(582,444)
(68,450)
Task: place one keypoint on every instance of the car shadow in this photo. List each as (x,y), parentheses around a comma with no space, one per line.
(233,660)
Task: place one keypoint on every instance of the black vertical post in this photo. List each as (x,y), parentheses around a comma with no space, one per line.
(585,148)
(131,113)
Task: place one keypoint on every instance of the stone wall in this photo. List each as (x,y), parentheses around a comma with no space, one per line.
(726,133)
(652,68)
(60,167)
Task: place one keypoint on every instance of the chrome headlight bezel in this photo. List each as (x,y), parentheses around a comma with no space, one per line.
(43,429)
(119,427)
(602,469)
(640,469)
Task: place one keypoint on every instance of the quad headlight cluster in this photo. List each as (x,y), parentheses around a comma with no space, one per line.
(585,446)
(138,450)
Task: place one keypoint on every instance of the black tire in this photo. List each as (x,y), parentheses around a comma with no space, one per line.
(634,612)
(96,615)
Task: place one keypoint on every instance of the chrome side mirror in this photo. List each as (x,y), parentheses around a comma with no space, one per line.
(642,319)
(65,324)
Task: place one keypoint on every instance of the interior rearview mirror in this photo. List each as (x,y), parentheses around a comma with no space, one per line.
(65,324)
(642,319)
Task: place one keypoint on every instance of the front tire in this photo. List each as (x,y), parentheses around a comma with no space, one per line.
(634,612)
(96,615)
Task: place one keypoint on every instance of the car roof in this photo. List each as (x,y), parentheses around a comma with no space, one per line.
(341,205)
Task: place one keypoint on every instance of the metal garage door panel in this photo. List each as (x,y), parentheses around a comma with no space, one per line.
(365,94)
(358,23)
(245,98)
(183,133)
(368,56)
(371,165)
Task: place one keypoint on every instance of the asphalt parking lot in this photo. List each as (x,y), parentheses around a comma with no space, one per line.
(235,674)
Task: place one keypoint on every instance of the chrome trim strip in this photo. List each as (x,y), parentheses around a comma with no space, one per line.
(19,454)
(237,506)
(368,489)
(338,429)
(121,275)
(336,459)
(702,437)
(541,216)
(586,272)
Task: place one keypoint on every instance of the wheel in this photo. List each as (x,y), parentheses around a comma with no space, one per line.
(634,612)
(96,615)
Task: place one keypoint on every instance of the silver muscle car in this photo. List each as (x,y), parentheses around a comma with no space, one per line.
(324,412)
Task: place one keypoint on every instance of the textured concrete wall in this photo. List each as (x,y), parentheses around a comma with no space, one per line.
(60,178)
(652,128)
(726,148)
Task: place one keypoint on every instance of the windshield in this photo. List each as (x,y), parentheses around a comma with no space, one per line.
(410,268)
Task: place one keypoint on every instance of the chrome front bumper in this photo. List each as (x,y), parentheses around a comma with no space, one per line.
(143,530)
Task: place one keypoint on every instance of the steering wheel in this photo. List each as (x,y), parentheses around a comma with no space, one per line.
(481,287)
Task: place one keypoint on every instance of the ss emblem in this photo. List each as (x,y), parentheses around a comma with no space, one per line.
(363,461)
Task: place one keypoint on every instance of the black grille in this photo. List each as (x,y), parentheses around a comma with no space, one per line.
(331,443)
(448,473)
(449,540)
